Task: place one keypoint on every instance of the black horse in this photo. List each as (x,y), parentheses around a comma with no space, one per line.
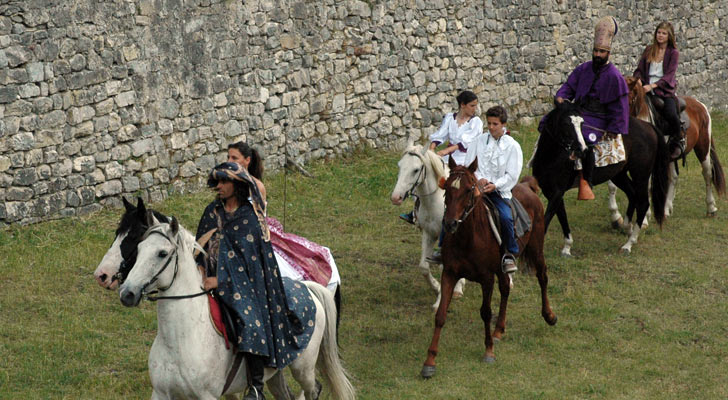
(646,157)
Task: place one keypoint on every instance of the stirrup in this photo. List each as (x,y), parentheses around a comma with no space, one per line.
(508,263)
(408,217)
(434,258)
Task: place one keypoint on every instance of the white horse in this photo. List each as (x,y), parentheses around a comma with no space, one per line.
(420,170)
(188,358)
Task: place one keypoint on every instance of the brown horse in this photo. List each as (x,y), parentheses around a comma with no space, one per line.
(698,139)
(470,251)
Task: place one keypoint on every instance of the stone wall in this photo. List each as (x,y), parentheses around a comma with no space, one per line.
(103,98)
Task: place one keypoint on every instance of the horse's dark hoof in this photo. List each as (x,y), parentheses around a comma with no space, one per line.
(489,359)
(553,321)
(427,371)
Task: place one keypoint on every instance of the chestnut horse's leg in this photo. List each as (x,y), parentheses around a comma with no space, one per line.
(536,258)
(447,285)
(505,290)
(486,314)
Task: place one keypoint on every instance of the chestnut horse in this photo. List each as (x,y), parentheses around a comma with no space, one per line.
(698,137)
(470,251)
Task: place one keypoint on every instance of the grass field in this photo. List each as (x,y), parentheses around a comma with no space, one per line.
(651,325)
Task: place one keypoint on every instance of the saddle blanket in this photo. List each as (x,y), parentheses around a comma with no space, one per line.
(609,151)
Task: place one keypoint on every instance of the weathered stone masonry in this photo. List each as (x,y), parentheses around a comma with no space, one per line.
(103,98)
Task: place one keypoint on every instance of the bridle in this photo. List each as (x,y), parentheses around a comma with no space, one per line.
(471,204)
(421,178)
(150,295)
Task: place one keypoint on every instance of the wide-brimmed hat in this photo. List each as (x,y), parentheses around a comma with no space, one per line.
(227,171)
(604,32)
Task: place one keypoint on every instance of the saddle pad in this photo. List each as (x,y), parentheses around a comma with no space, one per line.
(217,319)
(608,152)
(521,220)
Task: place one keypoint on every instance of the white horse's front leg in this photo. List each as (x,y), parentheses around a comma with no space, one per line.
(428,243)
(708,177)
(633,235)
(566,250)
(671,188)
(615,216)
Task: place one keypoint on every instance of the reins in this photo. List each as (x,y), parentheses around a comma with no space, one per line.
(151,295)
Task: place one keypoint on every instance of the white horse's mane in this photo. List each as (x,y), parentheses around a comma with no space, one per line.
(429,157)
(186,240)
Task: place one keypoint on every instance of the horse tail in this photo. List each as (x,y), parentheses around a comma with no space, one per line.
(329,362)
(718,174)
(660,180)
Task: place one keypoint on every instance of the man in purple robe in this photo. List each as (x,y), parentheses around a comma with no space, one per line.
(600,90)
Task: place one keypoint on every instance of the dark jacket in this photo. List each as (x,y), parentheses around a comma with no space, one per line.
(668,83)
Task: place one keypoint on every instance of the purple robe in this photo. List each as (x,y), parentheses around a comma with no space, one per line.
(610,90)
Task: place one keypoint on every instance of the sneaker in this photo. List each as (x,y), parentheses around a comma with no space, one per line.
(408,217)
(509,263)
(434,258)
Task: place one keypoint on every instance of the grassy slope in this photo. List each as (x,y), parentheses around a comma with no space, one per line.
(649,325)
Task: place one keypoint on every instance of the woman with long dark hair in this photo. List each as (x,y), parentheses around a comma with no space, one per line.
(656,69)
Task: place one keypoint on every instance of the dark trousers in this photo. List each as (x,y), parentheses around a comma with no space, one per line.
(506,220)
(669,112)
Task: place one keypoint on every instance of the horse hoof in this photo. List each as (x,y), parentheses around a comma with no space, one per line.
(625,251)
(566,255)
(552,321)
(616,224)
(427,371)
(489,359)
(457,295)
(711,214)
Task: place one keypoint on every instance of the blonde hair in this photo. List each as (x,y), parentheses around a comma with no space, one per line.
(654,47)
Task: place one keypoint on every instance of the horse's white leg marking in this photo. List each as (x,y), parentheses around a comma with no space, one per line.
(566,250)
(458,292)
(627,247)
(708,176)
(437,301)
(615,217)
(672,184)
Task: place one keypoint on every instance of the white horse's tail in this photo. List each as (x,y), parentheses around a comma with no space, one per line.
(329,362)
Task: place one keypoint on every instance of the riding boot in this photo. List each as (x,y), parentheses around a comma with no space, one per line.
(585,177)
(677,147)
(256,366)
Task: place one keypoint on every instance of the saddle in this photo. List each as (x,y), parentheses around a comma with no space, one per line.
(521,219)
(222,321)
(658,104)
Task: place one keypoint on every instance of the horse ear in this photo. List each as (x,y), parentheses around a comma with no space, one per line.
(149,219)
(473,165)
(451,163)
(441,182)
(140,206)
(174,225)
(127,206)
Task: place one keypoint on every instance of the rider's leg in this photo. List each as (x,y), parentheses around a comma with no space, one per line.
(585,181)
(669,112)
(256,366)
(508,235)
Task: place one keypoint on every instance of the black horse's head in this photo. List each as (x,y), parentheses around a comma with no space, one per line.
(562,131)
(134,222)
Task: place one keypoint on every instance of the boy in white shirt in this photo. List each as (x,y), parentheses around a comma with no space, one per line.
(500,161)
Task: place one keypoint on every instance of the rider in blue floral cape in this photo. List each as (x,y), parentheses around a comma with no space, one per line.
(274,316)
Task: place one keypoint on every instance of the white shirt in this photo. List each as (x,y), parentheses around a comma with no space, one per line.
(655,72)
(461,135)
(499,161)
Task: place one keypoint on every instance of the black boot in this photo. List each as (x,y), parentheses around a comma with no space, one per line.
(256,368)
(677,147)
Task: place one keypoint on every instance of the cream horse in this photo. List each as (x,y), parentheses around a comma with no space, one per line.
(419,173)
(188,358)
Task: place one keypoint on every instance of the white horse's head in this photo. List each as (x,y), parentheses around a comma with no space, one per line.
(162,258)
(414,165)
(122,252)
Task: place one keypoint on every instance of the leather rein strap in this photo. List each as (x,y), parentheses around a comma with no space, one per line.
(233,371)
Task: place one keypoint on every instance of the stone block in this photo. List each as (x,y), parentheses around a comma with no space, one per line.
(109,188)
(84,164)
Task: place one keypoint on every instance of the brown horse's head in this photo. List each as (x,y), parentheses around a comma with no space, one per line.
(461,193)
(637,105)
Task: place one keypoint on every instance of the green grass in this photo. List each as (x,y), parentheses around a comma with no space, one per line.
(649,325)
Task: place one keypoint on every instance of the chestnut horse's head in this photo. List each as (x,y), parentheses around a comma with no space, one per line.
(636,94)
(461,193)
